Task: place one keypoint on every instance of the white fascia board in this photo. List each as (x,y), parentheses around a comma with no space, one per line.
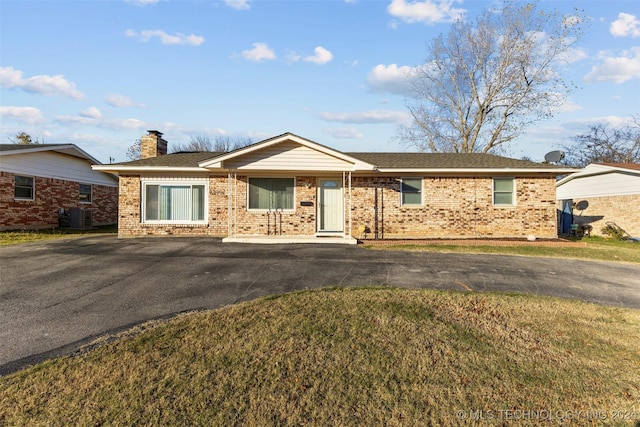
(68,149)
(596,172)
(217,162)
(476,170)
(130,169)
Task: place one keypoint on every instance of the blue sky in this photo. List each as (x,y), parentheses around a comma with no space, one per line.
(98,74)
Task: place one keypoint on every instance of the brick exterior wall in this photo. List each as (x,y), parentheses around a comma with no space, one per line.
(453,207)
(623,210)
(50,195)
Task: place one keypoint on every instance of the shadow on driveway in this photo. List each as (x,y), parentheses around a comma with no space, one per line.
(58,295)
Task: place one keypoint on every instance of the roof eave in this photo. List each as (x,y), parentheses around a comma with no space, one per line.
(142,169)
(62,149)
(555,171)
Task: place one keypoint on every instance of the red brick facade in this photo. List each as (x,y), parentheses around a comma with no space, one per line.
(50,195)
(452,207)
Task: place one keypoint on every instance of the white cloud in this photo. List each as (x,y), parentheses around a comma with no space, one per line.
(120,101)
(625,26)
(259,52)
(141,2)
(41,84)
(320,56)
(427,11)
(238,4)
(29,115)
(581,125)
(109,124)
(344,133)
(374,116)
(617,69)
(165,38)
(91,112)
(391,79)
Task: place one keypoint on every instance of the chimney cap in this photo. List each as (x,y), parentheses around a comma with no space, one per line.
(155,132)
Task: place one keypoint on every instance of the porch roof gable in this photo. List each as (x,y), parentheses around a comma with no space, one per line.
(286,152)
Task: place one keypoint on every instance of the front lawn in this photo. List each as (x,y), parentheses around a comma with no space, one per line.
(597,248)
(350,357)
(23,236)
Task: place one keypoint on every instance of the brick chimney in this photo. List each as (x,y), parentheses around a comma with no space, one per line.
(152,145)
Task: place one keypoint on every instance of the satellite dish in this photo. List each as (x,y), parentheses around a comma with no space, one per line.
(554,156)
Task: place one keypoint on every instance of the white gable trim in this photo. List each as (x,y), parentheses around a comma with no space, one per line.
(69,149)
(219,162)
(596,169)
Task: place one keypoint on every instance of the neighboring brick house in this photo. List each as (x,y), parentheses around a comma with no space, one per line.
(40,184)
(601,193)
(291,186)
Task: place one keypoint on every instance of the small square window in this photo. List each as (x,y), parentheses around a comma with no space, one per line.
(85,193)
(503,194)
(412,191)
(23,188)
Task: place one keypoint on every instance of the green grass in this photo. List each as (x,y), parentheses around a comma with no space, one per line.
(348,357)
(597,248)
(23,236)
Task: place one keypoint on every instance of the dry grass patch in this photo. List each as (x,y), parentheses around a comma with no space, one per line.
(24,236)
(346,357)
(597,248)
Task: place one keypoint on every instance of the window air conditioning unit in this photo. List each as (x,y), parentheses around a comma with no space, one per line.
(80,218)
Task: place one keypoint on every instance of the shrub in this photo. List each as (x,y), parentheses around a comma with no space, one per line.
(612,231)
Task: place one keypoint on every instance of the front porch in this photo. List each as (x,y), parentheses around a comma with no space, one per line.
(284,239)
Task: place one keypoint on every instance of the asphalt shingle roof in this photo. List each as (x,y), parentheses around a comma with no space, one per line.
(11,147)
(443,161)
(175,159)
(381,160)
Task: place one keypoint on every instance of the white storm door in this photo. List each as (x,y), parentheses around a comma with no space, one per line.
(331,212)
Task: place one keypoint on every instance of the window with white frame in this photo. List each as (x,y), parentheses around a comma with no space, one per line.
(23,187)
(503,191)
(174,202)
(411,189)
(271,193)
(85,193)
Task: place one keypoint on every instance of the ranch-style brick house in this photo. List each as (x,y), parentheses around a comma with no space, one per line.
(289,187)
(51,185)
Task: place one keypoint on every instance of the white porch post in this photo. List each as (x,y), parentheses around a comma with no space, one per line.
(349,205)
(229,203)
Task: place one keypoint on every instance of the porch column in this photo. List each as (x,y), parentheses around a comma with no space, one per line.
(350,204)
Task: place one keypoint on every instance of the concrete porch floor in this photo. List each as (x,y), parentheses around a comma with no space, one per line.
(283,239)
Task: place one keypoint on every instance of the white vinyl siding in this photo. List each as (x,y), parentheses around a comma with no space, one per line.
(55,165)
(24,187)
(271,193)
(288,156)
(174,202)
(503,191)
(613,183)
(411,189)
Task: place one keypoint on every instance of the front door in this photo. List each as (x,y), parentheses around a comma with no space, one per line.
(331,209)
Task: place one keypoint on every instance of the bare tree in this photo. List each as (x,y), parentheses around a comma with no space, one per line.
(484,82)
(24,138)
(605,144)
(220,143)
(134,152)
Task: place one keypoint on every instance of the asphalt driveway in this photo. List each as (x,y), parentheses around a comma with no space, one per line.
(58,295)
